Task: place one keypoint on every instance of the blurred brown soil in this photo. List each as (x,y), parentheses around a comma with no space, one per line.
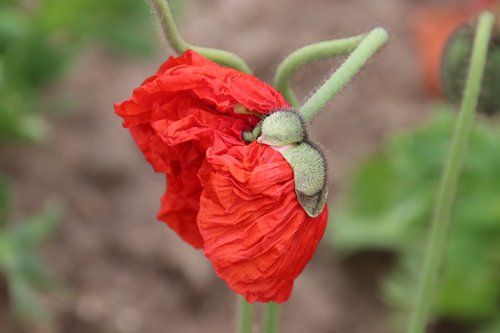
(127,273)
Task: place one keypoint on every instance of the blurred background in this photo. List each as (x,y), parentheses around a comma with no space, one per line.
(80,248)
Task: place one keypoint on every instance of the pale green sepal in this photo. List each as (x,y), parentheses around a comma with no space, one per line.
(309,168)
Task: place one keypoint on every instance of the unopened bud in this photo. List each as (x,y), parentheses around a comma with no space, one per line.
(455,64)
(309,169)
(286,131)
(283,127)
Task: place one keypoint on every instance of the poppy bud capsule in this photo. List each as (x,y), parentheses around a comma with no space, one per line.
(309,169)
(286,131)
(283,127)
(454,67)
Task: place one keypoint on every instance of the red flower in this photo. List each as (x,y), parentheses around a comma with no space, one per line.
(235,200)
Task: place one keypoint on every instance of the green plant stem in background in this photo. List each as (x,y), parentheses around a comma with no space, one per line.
(442,214)
(373,41)
(271,324)
(179,45)
(245,316)
(307,54)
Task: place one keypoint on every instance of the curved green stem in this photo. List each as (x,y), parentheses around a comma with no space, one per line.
(271,318)
(440,223)
(179,45)
(373,41)
(307,54)
(245,316)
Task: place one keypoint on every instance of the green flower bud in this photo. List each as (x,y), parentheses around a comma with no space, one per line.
(455,64)
(283,127)
(309,168)
(286,131)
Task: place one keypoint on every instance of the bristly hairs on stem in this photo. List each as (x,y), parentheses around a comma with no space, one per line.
(162,10)
(363,47)
(289,66)
(368,46)
(440,223)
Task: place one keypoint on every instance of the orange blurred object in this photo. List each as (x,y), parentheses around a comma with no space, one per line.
(431,28)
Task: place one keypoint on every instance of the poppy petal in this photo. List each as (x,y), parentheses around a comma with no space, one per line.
(255,233)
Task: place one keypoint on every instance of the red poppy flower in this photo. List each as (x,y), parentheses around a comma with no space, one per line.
(236,200)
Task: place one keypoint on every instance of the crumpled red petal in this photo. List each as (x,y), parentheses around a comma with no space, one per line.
(256,234)
(178,113)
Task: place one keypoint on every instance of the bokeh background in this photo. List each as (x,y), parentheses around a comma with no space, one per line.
(80,248)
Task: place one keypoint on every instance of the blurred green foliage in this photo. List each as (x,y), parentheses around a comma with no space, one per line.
(389,204)
(38,39)
(26,275)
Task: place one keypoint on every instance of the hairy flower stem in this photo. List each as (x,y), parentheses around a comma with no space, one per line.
(373,41)
(271,324)
(440,223)
(307,54)
(179,45)
(245,316)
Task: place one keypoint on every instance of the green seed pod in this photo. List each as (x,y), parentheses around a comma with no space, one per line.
(455,64)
